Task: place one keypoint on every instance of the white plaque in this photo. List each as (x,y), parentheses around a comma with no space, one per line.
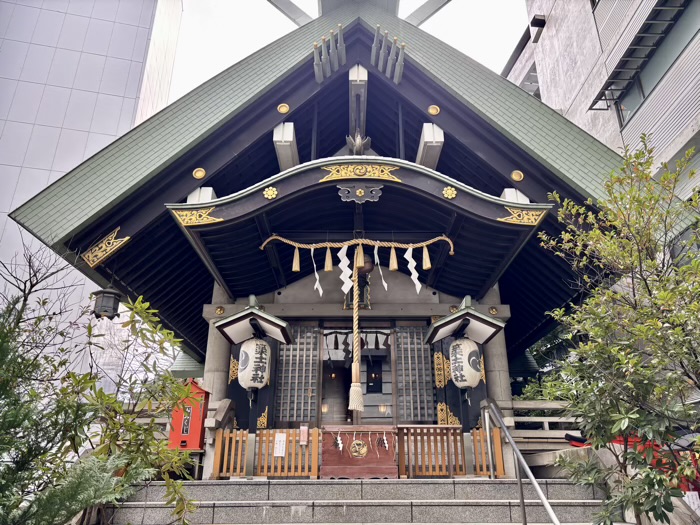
(280,445)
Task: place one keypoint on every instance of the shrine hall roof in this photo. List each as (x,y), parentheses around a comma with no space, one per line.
(122,168)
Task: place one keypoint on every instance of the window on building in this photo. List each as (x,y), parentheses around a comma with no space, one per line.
(653,68)
(531,83)
(186,420)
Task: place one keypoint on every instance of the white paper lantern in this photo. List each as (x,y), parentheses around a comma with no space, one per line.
(465,363)
(254,364)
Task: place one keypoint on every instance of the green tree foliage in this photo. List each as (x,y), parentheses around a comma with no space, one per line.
(74,435)
(635,339)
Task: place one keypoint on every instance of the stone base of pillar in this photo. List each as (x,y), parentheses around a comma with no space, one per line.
(208,458)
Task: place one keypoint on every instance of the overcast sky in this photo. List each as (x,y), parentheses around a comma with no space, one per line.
(215,34)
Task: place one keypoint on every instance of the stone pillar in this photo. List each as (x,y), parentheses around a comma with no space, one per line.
(496,362)
(498,377)
(216,371)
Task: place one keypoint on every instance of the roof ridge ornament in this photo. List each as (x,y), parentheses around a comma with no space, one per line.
(331,55)
(388,60)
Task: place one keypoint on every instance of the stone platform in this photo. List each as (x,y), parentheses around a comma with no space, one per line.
(366,501)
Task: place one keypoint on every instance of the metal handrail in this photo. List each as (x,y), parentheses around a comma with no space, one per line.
(489,409)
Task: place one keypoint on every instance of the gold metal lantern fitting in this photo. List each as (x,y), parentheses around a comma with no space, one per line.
(199,173)
(283,108)
(517,175)
(433,110)
(220,310)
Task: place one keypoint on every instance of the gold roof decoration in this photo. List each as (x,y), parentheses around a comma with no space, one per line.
(360,171)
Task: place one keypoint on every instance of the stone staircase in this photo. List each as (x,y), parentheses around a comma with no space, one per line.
(372,501)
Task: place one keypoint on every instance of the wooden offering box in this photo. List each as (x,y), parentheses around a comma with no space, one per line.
(363,455)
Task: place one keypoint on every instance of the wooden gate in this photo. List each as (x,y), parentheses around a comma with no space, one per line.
(298,460)
(230,454)
(430,451)
(481,455)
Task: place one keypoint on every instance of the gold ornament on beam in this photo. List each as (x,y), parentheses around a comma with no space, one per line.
(526,217)
(196,217)
(449,192)
(445,415)
(442,370)
(262,420)
(270,193)
(360,171)
(100,252)
(233,370)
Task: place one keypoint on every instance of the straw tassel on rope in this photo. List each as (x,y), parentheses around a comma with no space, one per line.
(296,266)
(359,257)
(393,261)
(355,397)
(329,261)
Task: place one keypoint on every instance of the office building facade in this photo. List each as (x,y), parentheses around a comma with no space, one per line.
(617,69)
(74,76)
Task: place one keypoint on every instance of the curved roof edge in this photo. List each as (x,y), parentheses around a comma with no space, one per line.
(359,160)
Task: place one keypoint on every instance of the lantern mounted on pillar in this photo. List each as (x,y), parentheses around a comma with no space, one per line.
(478,327)
(248,328)
(107,303)
(253,322)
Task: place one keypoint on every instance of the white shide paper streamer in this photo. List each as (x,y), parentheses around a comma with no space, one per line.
(317,286)
(412,267)
(376,261)
(345,271)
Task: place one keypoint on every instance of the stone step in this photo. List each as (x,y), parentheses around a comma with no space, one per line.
(363,511)
(400,490)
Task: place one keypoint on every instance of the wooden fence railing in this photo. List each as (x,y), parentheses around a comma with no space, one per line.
(430,451)
(481,455)
(298,460)
(230,454)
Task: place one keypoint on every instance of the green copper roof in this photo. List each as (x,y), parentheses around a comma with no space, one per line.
(120,169)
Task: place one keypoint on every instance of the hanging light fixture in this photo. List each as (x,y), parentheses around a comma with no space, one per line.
(107,303)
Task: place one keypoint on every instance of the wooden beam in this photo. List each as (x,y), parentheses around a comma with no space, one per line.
(325,310)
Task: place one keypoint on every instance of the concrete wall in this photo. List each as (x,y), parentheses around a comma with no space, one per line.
(576,53)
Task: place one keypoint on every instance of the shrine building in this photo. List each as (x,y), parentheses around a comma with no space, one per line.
(342,228)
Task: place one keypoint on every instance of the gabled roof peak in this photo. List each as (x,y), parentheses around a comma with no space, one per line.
(326,6)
